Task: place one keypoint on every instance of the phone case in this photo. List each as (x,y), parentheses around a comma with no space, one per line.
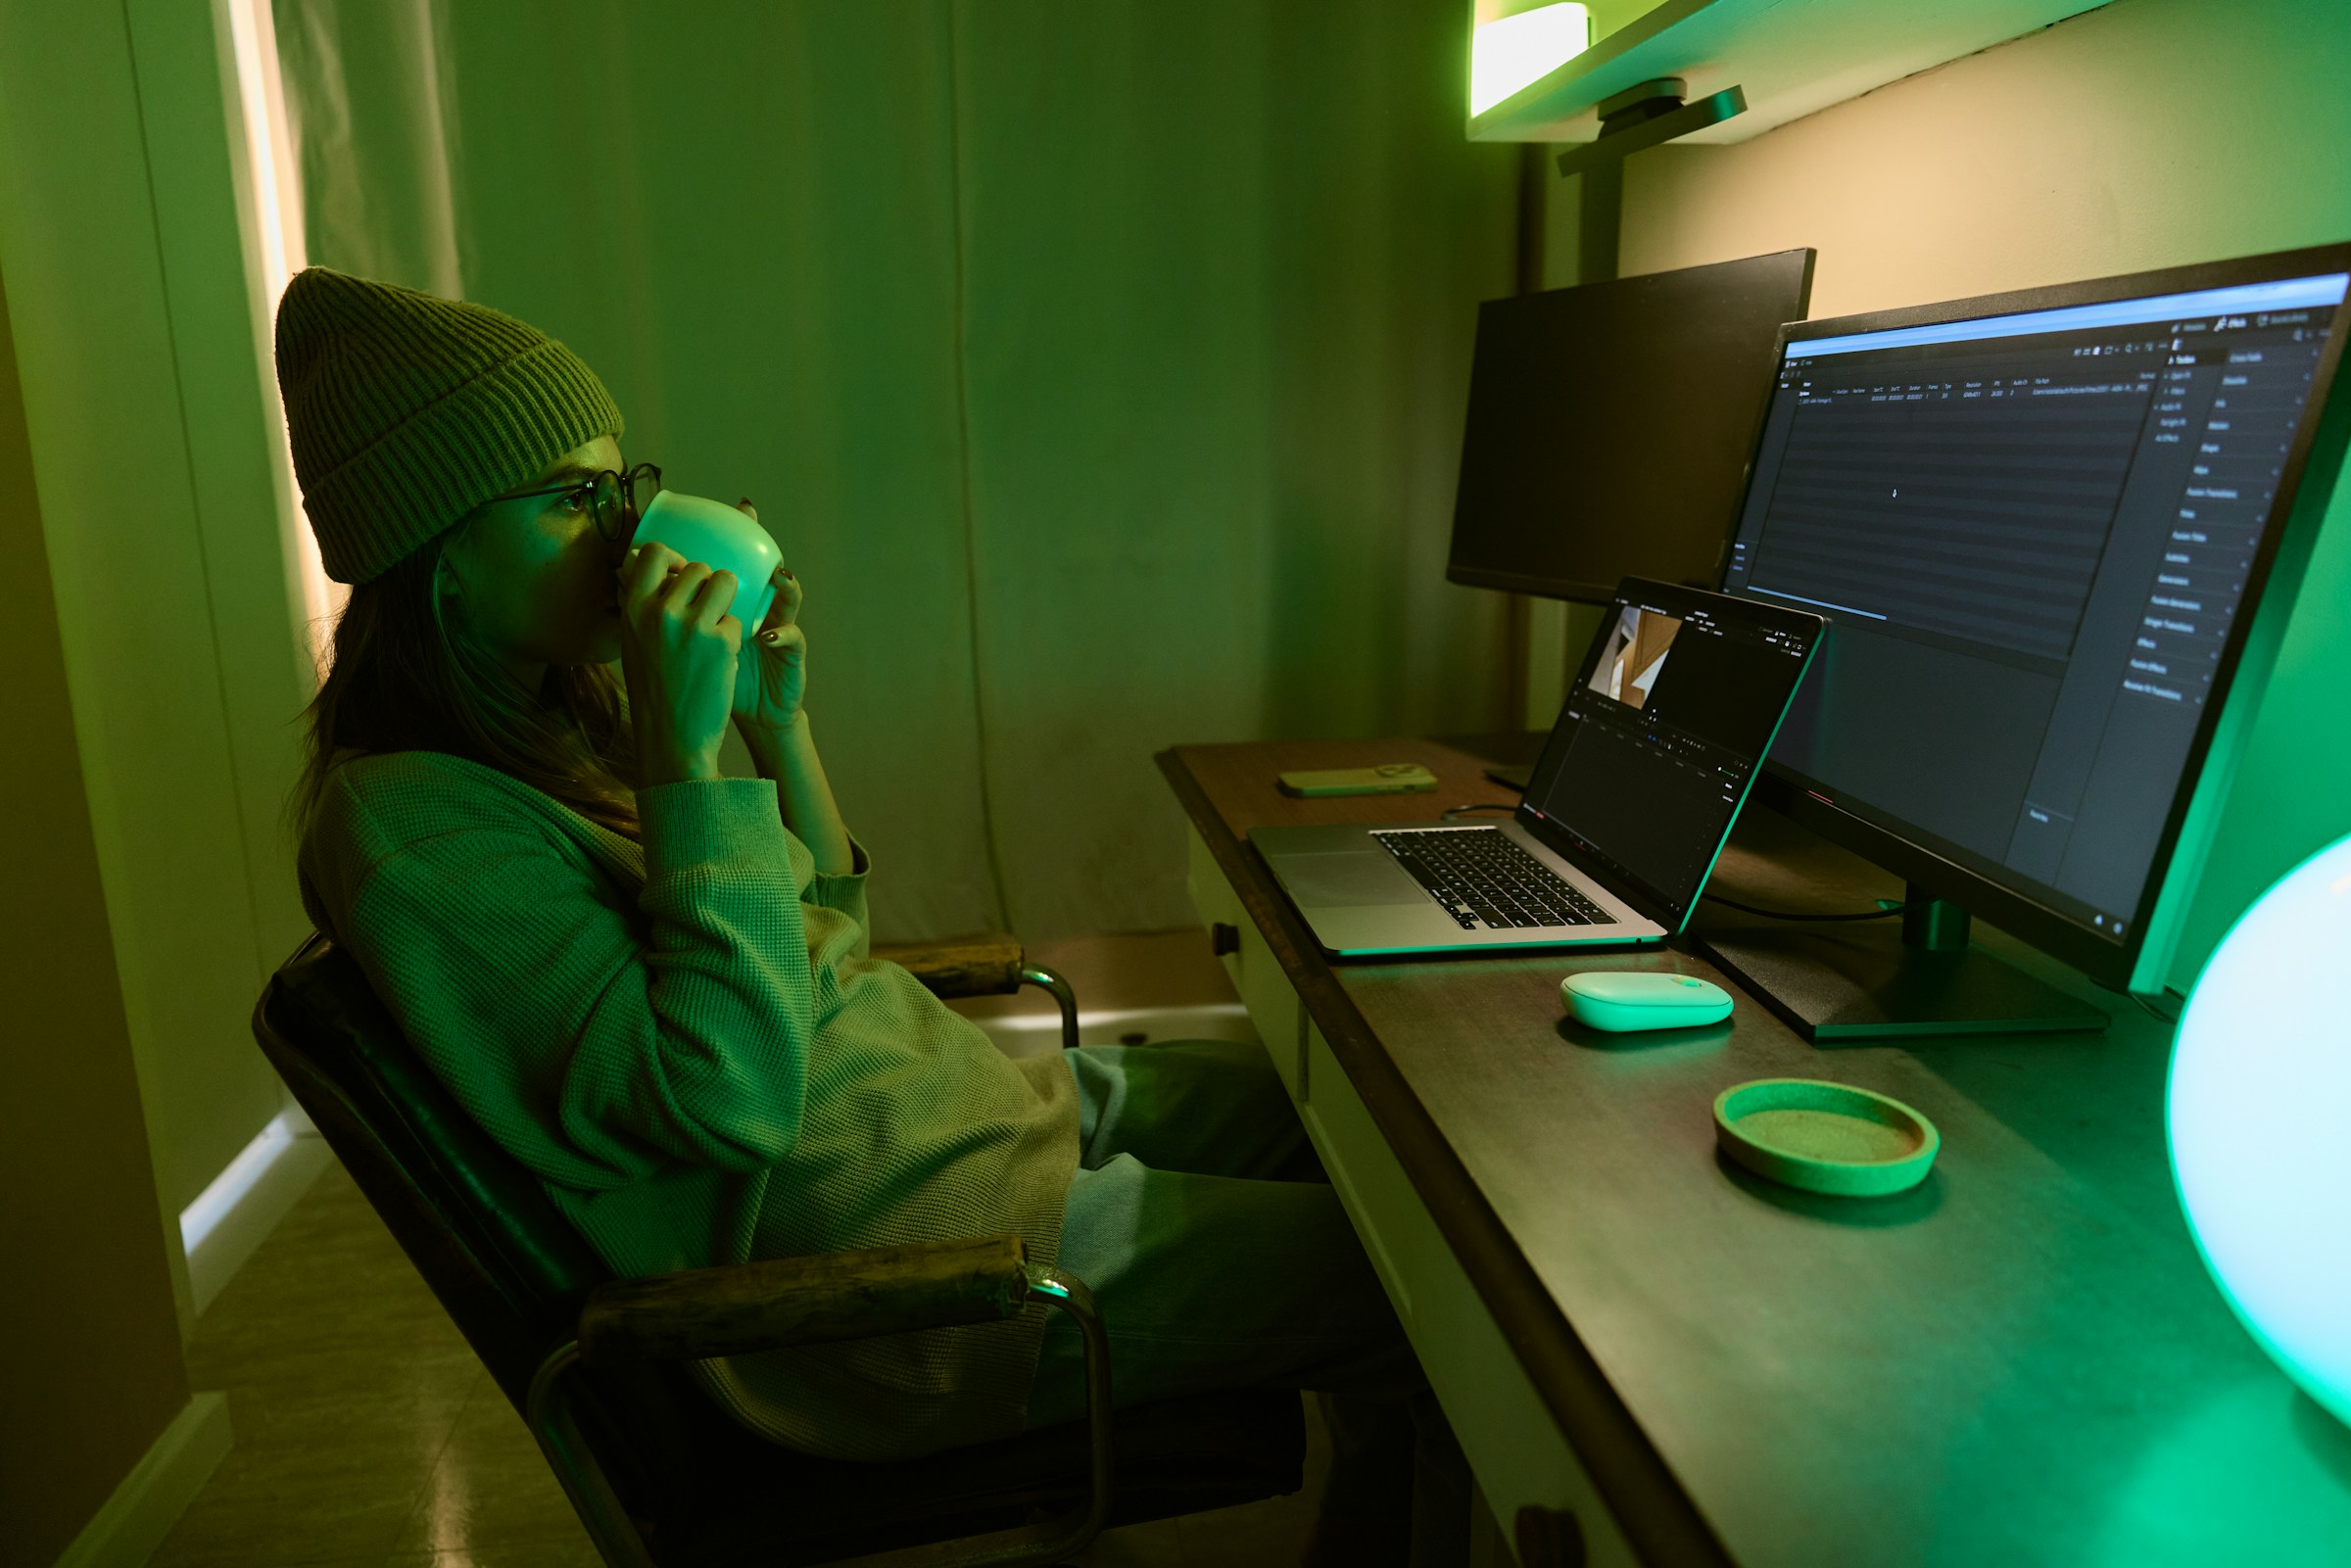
(1389,778)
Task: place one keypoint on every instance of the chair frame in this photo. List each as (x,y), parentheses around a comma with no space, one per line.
(768,1305)
(623,1324)
(991,965)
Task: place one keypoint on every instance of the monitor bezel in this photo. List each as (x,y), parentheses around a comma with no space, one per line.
(2142,961)
(1577,591)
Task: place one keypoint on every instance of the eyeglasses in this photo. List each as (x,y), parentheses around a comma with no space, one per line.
(616,501)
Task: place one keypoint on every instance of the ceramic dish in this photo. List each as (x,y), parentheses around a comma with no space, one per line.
(1825,1137)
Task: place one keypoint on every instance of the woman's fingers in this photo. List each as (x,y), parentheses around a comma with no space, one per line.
(786,608)
(711,597)
(660,580)
(645,567)
(668,580)
(674,595)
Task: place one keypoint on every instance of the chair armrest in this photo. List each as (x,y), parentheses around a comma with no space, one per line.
(764,1306)
(968,965)
(800,1300)
(982,965)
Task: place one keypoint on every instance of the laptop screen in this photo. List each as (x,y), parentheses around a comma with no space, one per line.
(1660,736)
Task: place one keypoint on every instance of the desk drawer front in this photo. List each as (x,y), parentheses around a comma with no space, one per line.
(1511,1443)
(1256,973)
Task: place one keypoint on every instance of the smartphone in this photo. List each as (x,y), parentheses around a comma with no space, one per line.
(1389,778)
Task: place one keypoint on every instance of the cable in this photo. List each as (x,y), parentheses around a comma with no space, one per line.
(2156,1013)
(1887,909)
(1450,812)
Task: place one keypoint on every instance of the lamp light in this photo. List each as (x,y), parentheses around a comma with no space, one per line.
(1508,52)
(2260,1087)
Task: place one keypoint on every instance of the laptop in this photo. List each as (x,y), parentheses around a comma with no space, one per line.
(1663,730)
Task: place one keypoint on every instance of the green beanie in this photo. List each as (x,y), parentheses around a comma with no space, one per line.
(406,412)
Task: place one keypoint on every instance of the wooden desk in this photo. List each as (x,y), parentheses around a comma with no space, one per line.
(2020,1362)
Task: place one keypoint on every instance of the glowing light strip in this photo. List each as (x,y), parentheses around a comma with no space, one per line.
(1511,52)
(228,1189)
(1090,1019)
(277,212)
(244,29)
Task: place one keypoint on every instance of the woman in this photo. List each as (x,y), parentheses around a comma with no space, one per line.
(647,981)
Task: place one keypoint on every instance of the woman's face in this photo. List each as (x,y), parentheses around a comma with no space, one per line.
(537,581)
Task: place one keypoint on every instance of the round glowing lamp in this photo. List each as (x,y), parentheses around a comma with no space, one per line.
(2259,1109)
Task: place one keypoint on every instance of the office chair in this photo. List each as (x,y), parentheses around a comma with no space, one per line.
(660,1476)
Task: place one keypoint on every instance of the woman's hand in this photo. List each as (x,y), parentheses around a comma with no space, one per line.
(773,673)
(677,649)
(767,709)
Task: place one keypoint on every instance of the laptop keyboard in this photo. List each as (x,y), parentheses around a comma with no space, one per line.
(1486,880)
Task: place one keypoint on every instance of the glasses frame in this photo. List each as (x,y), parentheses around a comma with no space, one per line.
(612,493)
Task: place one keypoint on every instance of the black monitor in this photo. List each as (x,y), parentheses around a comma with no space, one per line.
(2057,535)
(1609,426)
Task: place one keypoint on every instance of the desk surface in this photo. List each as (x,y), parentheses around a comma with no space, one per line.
(2020,1362)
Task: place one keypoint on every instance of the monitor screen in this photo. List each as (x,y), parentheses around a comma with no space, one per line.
(2035,533)
(1661,736)
(1609,426)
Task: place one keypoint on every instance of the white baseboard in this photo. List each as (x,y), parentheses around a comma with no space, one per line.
(124,1533)
(248,1223)
(1033,1033)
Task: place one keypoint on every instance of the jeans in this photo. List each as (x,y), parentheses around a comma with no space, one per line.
(1221,1258)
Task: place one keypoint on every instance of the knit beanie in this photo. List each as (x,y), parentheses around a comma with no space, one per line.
(406,412)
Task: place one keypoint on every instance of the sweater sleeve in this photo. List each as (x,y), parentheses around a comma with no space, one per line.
(842,892)
(598,1041)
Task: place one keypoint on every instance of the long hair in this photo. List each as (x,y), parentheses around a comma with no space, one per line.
(406,677)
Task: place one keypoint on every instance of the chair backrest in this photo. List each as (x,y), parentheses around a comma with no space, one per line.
(506,1264)
(478,1227)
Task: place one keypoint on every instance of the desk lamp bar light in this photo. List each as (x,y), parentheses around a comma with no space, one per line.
(1513,49)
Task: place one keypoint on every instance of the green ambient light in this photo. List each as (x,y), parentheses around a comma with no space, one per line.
(1508,52)
(2260,1086)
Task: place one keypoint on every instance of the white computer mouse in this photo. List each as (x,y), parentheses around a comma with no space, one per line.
(1623,1000)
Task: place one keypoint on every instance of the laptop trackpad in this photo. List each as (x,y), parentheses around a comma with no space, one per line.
(1349,878)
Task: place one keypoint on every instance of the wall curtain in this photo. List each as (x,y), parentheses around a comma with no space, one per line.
(1099,366)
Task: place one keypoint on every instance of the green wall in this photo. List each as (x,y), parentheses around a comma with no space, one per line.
(1098,365)
(150,435)
(148,664)
(90,1369)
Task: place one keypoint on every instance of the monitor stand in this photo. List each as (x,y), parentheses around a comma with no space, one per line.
(1852,984)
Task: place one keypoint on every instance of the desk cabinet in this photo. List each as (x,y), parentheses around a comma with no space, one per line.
(2022,1361)
(1513,1446)
(1256,973)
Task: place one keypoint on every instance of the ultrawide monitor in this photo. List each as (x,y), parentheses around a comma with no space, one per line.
(2056,535)
(1609,426)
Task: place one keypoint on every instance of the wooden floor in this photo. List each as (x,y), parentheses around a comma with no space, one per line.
(368,1437)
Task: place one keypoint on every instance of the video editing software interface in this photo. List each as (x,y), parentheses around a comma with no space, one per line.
(1659,743)
(2030,533)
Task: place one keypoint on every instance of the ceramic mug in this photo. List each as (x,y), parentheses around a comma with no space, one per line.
(723,539)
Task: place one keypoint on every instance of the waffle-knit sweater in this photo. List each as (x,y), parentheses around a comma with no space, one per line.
(685,1042)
